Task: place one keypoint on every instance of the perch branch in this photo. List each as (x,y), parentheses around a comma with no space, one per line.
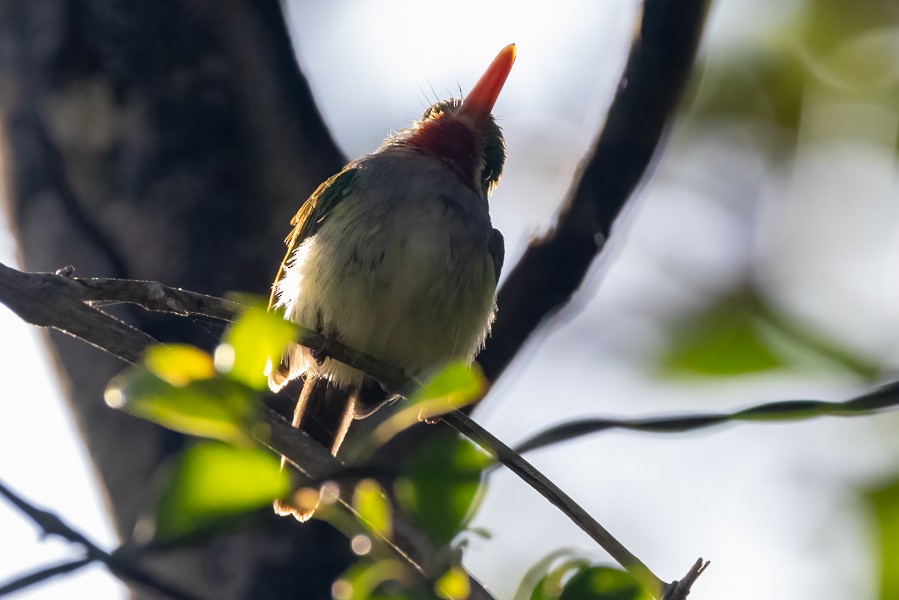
(62,302)
(27,289)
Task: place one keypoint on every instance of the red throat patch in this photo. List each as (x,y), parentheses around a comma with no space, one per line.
(450,140)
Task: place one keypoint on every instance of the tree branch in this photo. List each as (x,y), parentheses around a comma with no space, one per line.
(308,456)
(68,312)
(53,525)
(554,266)
(876,400)
(43,574)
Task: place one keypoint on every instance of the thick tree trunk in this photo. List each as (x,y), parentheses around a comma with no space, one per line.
(168,141)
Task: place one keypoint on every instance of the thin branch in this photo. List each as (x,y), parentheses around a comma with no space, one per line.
(50,300)
(43,574)
(125,569)
(554,266)
(679,590)
(546,488)
(878,399)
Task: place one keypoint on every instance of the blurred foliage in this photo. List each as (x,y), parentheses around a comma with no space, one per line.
(455,386)
(363,581)
(390,579)
(847,50)
(251,343)
(726,338)
(441,483)
(565,576)
(210,482)
(373,507)
(214,407)
(884,503)
(453,585)
(740,333)
(185,389)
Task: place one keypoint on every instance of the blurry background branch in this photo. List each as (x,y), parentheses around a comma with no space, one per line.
(554,265)
(122,563)
(877,400)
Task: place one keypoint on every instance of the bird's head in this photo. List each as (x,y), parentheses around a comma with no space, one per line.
(462,132)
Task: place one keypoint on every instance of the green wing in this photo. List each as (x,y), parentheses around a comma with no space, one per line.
(312,214)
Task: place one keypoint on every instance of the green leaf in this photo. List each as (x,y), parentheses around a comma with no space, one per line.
(453,585)
(535,576)
(179,364)
(603,583)
(455,387)
(258,336)
(442,483)
(373,507)
(361,581)
(726,339)
(551,585)
(212,482)
(884,502)
(215,408)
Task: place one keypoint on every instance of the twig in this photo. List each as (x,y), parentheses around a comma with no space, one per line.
(40,575)
(878,399)
(125,569)
(546,488)
(679,590)
(50,300)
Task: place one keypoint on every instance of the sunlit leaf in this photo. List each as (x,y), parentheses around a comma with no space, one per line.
(211,482)
(373,507)
(257,337)
(215,408)
(456,386)
(453,585)
(179,364)
(441,483)
(884,502)
(603,583)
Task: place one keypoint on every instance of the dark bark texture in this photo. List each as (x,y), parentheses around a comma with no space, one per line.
(169,141)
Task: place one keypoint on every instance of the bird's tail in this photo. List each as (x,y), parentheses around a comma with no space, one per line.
(324,411)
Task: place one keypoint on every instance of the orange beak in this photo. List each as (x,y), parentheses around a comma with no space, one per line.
(478,104)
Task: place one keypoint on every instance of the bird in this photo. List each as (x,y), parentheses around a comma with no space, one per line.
(395,256)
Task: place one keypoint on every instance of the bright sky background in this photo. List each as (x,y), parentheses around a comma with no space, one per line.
(770,505)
